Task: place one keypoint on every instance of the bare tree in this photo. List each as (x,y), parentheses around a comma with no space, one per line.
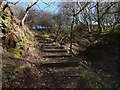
(27,10)
(101,14)
(73,20)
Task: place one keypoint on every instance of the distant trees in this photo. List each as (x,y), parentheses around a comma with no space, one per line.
(18,11)
(73,10)
(38,19)
(97,16)
(102,12)
(65,10)
(70,14)
(34,17)
(89,14)
(114,15)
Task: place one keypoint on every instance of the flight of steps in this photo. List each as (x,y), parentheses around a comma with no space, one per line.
(57,55)
(59,67)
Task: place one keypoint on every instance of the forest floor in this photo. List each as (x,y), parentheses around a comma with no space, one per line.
(36,70)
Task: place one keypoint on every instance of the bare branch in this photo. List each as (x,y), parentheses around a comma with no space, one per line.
(17,2)
(47,6)
(26,12)
(46,3)
(40,8)
(81,9)
(107,10)
(13,3)
(31,6)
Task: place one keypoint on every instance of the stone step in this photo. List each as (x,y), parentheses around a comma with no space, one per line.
(49,44)
(56,55)
(54,50)
(45,41)
(60,64)
(53,47)
(58,59)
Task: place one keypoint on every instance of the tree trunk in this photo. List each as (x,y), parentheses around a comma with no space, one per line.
(71,35)
(88,26)
(89,29)
(98,17)
(23,20)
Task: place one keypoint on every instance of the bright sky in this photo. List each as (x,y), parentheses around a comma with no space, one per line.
(52,8)
(28,0)
(71,0)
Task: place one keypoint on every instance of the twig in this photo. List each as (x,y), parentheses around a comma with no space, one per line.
(46,3)
(16,2)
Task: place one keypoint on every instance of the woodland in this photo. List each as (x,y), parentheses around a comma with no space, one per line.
(78,46)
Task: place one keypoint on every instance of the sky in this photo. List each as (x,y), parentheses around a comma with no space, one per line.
(71,0)
(52,8)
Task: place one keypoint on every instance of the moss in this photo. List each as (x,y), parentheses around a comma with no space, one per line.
(5,20)
(117,26)
(16,52)
(106,31)
(16,38)
(18,49)
(21,37)
(46,36)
